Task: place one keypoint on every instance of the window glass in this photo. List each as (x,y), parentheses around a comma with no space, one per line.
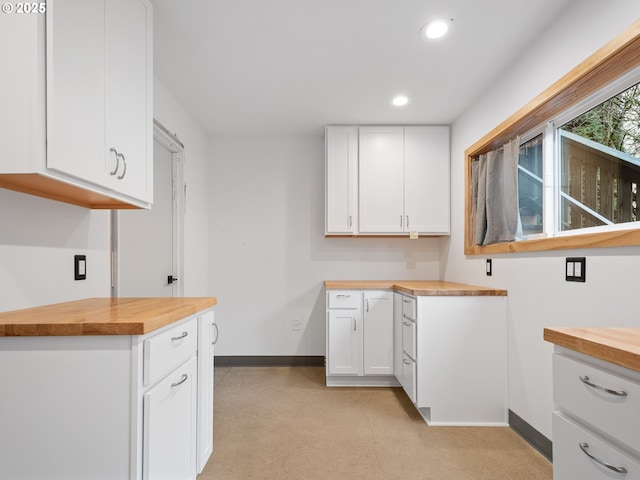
(599,164)
(530,189)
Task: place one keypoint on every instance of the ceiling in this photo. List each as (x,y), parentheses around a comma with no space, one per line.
(289,67)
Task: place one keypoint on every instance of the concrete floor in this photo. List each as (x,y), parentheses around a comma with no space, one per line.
(283,423)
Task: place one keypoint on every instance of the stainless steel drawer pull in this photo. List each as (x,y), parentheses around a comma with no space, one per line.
(584,446)
(343,295)
(407,324)
(618,393)
(184,379)
(175,339)
(406,301)
(405,361)
(354,323)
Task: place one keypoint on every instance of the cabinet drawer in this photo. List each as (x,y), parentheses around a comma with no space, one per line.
(572,443)
(344,299)
(409,377)
(409,337)
(167,350)
(616,412)
(409,308)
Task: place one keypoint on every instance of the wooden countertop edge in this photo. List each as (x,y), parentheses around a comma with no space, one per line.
(601,349)
(128,323)
(409,287)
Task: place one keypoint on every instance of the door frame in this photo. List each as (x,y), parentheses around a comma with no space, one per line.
(171,142)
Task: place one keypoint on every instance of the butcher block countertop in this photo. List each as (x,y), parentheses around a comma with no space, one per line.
(101,316)
(415,287)
(620,346)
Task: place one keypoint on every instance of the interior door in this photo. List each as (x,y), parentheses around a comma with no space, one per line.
(146,252)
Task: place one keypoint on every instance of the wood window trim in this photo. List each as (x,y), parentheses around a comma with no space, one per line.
(616,58)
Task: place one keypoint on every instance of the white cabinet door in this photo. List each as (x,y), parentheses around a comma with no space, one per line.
(76,89)
(99,93)
(426,179)
(207,337)
(341,149)
(344,342)
(381,180)
(129,108)
(378,333)
(170,426)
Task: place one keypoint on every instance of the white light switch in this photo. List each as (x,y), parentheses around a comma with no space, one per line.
(570,269)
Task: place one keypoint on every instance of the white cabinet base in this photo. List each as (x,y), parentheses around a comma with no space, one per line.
(363,381)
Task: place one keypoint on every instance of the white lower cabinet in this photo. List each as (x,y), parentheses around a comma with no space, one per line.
(170,426)
(597,410)
(455,358)
(448,352)
(360,349)
(207,338)
(106,406)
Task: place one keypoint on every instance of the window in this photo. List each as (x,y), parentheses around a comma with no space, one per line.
(579,159)
(530,186)
(599,164)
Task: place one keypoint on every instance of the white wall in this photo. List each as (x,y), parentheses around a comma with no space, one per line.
(538,294)
(173,117)
(38,239)
(269,256)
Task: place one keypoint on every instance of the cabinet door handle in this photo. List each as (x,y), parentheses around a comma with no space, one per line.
(406,362)
(124,162)
(400,221)
(342,295)
(367,304)
(350,220)
(407,221)
(618,393)
(217,334)
(406,301)
(584,446)
(408,324)
(115,170)
(184,379)
(175,339)
(354,323)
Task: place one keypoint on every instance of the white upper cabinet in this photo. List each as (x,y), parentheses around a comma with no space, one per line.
(341,150)
(399,184)
(88,113)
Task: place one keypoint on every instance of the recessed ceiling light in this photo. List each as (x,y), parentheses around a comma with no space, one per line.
(400,100)
(435,28)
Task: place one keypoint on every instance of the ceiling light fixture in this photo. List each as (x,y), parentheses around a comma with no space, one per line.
(435,28)
(400,100)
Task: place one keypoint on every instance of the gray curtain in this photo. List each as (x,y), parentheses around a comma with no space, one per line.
(494,183)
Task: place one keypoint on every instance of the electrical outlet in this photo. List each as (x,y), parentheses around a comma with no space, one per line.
(296,324)
(575,269)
